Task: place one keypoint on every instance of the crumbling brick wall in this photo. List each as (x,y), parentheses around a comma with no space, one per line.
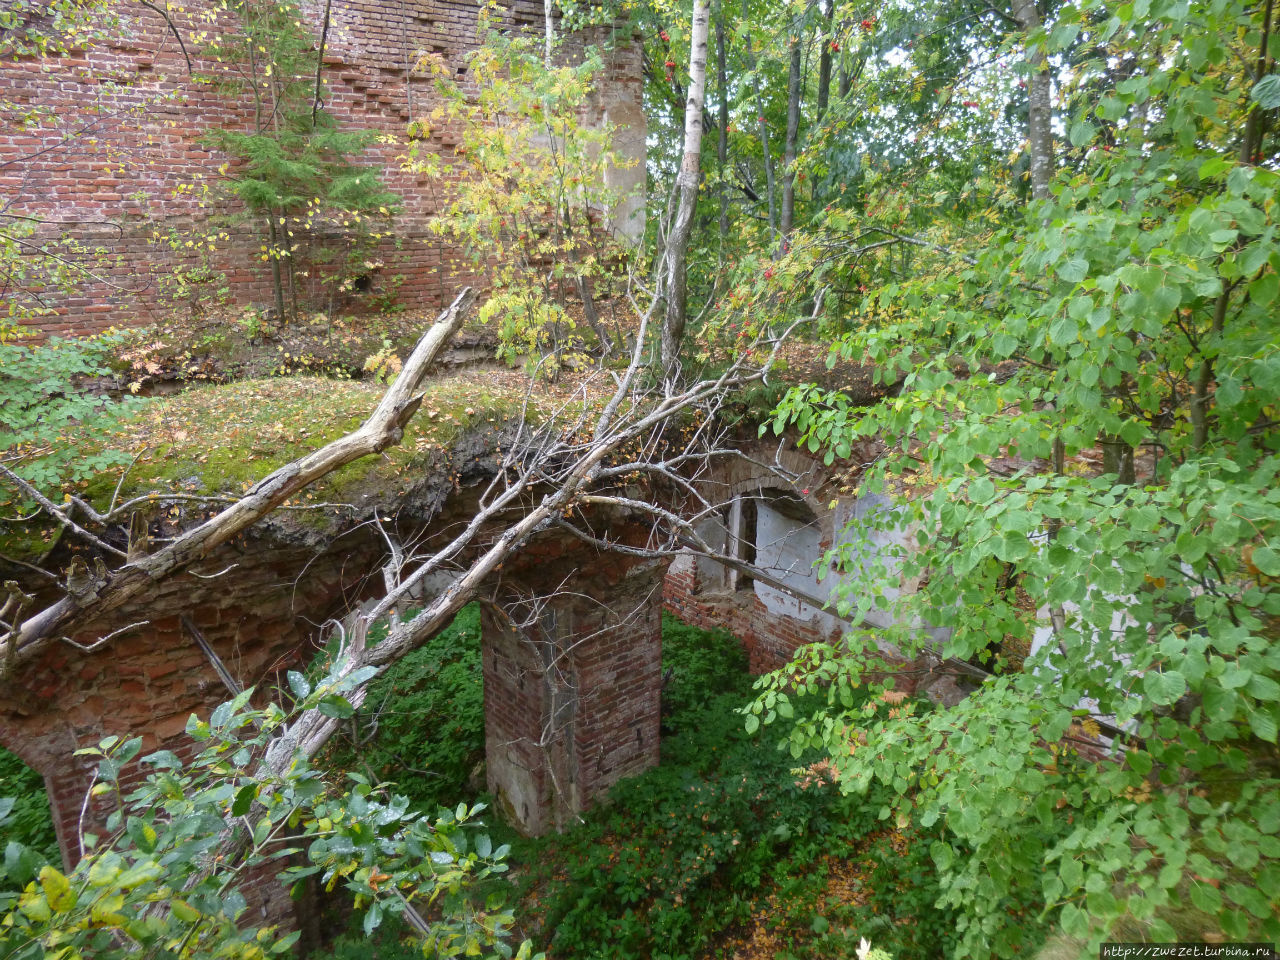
(123,167)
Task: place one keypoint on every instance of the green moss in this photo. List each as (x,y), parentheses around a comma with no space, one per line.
(221,439)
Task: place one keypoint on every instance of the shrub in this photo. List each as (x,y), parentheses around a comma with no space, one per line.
(150,884)
(423,721)
(42,398)
(30,820)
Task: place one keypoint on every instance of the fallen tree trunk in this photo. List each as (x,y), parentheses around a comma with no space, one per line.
(383,428)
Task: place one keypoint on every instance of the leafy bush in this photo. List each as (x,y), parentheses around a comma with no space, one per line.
(701,664)
(151,883)
(725,825)
(525,194)
(423,721)
(30,820)
(41,398)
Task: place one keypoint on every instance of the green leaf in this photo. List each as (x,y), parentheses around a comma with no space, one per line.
(244,799)
(1263,290)
(1267,561)
(372,918)
(1074,270)
(298,684)
(138,874)
(1262,688)
(753,723)
(1081,133)
(336,706)
(981,490)
(57,890)
(1164,688)
(184,911)
(1213,166)
(1205,897)
(1075,922)
(1266,92)
(1263,724)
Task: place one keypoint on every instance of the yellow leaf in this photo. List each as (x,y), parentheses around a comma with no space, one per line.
(57,889)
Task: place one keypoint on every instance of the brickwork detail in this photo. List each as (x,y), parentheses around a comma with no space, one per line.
(572,682)
(258,618)
(572,701)
(138,118)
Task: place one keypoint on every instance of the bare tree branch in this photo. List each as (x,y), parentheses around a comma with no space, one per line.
(383,428)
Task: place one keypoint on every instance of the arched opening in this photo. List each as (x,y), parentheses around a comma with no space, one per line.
(30,819)
(771,528)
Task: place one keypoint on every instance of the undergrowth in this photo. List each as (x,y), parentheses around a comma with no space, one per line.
(30,819)
(684,856)
(422,725)
(727,837)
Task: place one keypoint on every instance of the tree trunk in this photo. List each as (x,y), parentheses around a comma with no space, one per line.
(548,13)
(324,39)
(687,183)
(1040,112)
(591,315)
(762,124)
(1250,139)
(722,143)
(277,281)
(824,59)
(789,146)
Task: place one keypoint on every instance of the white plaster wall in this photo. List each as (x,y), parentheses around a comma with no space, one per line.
(787,548)
(850,520)
(711,574)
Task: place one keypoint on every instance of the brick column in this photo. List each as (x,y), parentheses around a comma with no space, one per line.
(572,687)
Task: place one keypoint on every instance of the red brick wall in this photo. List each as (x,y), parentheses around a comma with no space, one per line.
(137,118)
(769,639)
(259,617)
(572,685)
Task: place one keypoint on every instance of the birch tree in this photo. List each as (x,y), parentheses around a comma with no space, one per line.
(676,254)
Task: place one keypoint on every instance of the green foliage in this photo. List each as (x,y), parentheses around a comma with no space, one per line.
(1133,314)
(527,195)
(293,170)
(423,723)
(153,882)
(28,821)
(42,402)
(388,942)
(31,28)
(900,912)
(683,852)
(703,665)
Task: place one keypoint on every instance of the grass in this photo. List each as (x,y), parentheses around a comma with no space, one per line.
(219,440)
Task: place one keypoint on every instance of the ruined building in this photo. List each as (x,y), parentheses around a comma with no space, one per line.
(105,144)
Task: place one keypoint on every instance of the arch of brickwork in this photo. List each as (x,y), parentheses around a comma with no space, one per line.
(571,654)
(259,617)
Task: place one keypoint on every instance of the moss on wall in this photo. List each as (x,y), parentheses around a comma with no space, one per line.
(217,441)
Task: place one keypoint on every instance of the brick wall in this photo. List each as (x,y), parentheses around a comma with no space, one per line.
(135,119)
(588,657)
(770,639)
(572,679)
(771,625)
(258,617)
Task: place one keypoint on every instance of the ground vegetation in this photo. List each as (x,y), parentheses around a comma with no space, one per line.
(1048,231)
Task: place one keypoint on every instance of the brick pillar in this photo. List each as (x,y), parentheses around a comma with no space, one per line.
(572,686)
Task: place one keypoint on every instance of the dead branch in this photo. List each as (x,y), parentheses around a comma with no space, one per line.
(383,428)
